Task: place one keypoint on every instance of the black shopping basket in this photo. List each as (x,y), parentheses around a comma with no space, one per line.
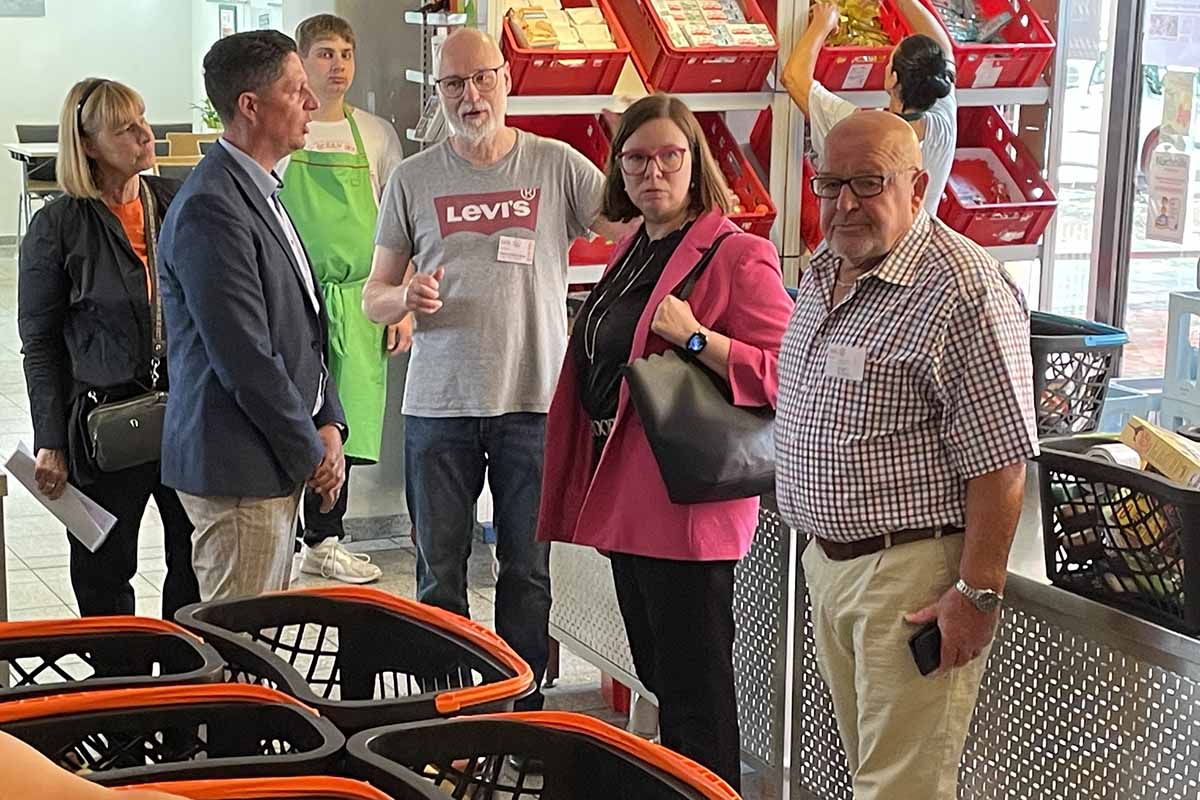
(487,756)
(1120,536)
(1073,360)
(306,788)
(70,655)
(363,657)
(120,736)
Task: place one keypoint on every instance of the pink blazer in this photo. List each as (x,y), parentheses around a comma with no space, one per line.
(624,508)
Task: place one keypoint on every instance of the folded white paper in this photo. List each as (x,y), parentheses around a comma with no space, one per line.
(84,518)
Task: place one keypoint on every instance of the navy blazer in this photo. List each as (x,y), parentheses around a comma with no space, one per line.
(246,344)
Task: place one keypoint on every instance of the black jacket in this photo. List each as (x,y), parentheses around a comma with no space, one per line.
(82,310)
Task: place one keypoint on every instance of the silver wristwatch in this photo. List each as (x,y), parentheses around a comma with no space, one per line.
(986,600)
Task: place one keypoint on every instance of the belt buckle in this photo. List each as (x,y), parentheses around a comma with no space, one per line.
(887,541)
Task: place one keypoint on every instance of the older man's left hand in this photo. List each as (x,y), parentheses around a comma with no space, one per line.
(674,321)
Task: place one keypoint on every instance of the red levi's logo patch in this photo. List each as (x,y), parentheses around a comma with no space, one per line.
(487,213)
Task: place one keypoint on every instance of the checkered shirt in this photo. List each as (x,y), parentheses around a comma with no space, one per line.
(946,393)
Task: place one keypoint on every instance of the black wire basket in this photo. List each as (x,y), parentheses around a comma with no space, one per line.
(1119,535)
(363,657)
(69,655)
(525,756)
(125,736)
(1073,360)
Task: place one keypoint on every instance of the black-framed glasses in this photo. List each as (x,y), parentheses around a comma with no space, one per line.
(485,80)
(635,162)
(91,90)
(862,186)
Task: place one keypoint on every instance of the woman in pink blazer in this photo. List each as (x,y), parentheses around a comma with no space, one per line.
(673,565)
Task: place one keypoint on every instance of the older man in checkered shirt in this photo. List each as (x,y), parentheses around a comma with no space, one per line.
(904,422)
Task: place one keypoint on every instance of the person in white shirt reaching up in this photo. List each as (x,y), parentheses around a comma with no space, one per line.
(919,83)
(331,189)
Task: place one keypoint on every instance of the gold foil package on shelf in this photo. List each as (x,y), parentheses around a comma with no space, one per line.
(859,26)
(555,28)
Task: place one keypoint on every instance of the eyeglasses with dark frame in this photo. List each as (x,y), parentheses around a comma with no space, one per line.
(485,80)
(861,186)
(634,163)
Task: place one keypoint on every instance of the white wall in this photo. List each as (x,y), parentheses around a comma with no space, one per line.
(296,11)
(145,43)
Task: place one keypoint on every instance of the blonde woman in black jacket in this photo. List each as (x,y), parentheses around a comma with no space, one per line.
(86,298)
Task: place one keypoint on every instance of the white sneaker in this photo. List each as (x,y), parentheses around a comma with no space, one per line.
(330,559)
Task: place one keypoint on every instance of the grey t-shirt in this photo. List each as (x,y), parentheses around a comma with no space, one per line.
(496,345)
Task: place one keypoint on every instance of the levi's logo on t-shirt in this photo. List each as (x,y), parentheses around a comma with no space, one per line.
(487,213)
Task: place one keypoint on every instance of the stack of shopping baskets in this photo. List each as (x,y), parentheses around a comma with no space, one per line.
(1116,528)
(256,698)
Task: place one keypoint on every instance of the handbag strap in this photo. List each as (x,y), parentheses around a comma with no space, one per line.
(158,347)
(685,287)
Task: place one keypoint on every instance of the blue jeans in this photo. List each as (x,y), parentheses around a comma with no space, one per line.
(444,462)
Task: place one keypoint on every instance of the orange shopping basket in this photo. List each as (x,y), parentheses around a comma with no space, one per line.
(487,756)
(121,736)
(363,657)
(305,788)
(69,655)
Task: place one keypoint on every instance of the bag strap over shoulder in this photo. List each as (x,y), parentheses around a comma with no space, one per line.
(158,347)
(685,287)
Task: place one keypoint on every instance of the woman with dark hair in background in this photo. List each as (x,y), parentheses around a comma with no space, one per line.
(87,300)
(673,564)
(919,83)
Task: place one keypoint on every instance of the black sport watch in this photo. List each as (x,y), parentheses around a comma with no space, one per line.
(696,343)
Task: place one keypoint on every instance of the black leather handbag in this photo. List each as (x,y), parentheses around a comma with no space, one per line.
(707,448)
(127,433)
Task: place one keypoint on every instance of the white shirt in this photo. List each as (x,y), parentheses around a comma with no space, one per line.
(826,109)
(378,137)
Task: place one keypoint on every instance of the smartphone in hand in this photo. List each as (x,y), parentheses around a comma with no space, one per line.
(926,646)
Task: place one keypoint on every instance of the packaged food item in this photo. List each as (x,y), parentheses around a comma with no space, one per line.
(1120,454)
(557,17)
(701,40)
(566,34)
(859,25)
(1170,454)
(588,15)
(594,34)
(545,4)
(675,33)
(976,184)
(714,16)
(722,36)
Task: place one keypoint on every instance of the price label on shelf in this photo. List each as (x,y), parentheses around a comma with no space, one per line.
(856,76)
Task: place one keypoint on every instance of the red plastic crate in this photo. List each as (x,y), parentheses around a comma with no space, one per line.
(759,212)
(588,135)
(1022,58)
(1002,223)
(810,210)
(760,138)
(542,71)
(667,68)
(854,68)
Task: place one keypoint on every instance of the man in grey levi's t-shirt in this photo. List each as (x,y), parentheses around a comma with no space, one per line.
(486,218)
(496,345)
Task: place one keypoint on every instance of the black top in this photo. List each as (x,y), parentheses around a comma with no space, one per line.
(602,338)
(82,309)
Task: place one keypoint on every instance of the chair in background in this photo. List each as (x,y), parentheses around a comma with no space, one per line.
(41,181)
(161,130)
(177,171)
(162,147)
(188,144)
(205,146)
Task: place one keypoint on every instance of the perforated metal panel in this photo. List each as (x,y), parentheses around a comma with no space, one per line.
(762,593)
(1061,716)
(585,613)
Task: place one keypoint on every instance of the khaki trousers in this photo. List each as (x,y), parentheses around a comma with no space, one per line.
(242,546)
(904,734)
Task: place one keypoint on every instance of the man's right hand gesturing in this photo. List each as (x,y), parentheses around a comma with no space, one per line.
(423,295)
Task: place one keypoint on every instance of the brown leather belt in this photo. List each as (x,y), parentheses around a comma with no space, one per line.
(845,551)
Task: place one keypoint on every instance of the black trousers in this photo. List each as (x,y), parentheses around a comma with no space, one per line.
(101,580)
(316,527)
(679,618)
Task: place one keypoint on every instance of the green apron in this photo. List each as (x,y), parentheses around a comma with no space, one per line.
(331,202)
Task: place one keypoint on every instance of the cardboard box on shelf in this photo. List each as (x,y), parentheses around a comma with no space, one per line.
(1173,456)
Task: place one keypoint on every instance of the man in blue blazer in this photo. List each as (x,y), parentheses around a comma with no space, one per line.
(252,415)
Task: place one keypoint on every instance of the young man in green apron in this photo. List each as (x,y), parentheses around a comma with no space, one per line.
(331,189)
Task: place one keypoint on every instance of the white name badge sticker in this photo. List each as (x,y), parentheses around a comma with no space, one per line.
(845,363)
(515,250)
